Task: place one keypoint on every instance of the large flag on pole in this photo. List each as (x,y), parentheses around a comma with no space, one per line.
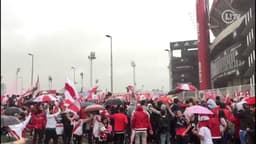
(71,97)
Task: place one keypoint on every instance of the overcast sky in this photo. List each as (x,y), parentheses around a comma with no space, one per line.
(61,34)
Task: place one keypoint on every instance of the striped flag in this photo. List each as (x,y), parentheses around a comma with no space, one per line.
(91,93)
(71,97)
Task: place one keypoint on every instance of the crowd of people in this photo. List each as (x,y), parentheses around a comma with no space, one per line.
(142,122)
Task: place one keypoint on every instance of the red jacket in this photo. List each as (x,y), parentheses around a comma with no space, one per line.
(39,120)
(214,126)
(140,120)
(120,121)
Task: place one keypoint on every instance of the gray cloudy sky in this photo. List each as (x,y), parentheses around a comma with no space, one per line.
(61,34)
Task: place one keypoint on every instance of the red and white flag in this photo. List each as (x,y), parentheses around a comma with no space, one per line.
(16,130)
(91,93)
(71,97)
(52,92)
(130,89)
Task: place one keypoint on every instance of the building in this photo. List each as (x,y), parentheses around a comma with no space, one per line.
(184,68)
(232,53)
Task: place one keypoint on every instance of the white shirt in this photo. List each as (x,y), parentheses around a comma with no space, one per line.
(51,120)
(207,136)
(96,126)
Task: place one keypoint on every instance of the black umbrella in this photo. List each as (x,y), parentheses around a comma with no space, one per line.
(114,101)
(11,111)
(9,120)
(29,102)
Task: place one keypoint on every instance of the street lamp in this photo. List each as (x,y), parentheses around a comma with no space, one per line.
(50,82)
(91,57)
(133,66)
(170,68)
(21,84)
(17,76)
(111,62)
(74,71)
(82,80)
(32,72)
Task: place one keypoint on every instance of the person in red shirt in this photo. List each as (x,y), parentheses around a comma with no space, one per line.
(120,125)
(214,125)
(141,124)
(38,123)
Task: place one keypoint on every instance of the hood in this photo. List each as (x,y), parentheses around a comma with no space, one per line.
(211,104)
(139,108)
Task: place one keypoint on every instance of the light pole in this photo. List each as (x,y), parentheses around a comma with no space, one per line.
(170,68)
(74,71)
(50,82)
(82,80)
(21,84)
(17,76)
(91,57)
(32,72)
(111,63)
(133,66)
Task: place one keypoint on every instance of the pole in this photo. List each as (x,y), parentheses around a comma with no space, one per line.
(91,57)
(203,44)
(32,71)
(91,73)
(170,67)
(134,80)
(21,85)
(17,76)
(133,66)
(111,63)
(82,79)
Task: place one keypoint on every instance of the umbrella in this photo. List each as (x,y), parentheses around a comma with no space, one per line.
(114,101)
(29,102)
(165,99)
(11,111)
(187,87)
(94,107)
(196,109)
(85,104)
(45,98)
(9,120)
(250,100)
